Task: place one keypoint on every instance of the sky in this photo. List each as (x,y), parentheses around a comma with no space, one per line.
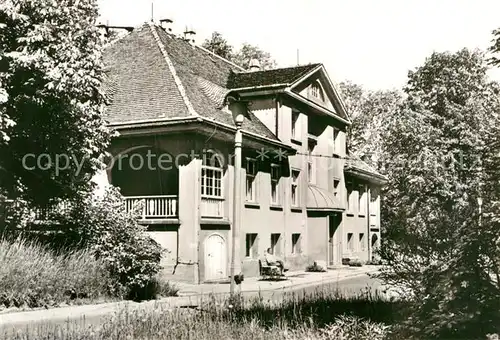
(373,43)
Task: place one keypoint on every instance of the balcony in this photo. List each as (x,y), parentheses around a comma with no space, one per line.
(212,207)
(154,207)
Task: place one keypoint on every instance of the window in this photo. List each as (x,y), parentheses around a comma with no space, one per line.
(251,246)
(311,170)
(275,244)
(317,92)
(362,199)
(251,187)
(296,133)
(350,242)
(350,197)
(374,202)
(295,188)
(275,179)
(211,176)
(296,249)
(336,187)
(335,140)
(362,241)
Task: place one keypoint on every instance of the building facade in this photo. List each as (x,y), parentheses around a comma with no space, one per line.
(303,196)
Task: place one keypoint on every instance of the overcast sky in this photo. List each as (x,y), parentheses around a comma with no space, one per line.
(370,42)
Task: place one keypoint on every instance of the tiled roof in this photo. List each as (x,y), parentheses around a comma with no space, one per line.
(141,84)
(269,77)
(355,164)
(138,82)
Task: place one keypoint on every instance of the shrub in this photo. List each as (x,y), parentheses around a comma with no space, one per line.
(115,237)
(355,263)
(154,289)
(33,276)
(315,268)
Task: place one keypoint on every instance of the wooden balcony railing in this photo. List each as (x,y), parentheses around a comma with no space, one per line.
(154,206)
(212,207)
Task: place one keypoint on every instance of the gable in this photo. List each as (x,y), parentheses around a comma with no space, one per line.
(318,88)
(314,90)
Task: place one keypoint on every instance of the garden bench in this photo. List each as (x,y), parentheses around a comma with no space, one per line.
(268,271)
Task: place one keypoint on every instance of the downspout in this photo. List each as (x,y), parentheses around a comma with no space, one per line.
(368,214)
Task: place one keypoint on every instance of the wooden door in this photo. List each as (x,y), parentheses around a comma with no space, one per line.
(215,258)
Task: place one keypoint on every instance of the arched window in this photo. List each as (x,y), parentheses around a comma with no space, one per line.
(211,175)
(317,91)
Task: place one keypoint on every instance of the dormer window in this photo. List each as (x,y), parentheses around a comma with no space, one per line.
(317,91)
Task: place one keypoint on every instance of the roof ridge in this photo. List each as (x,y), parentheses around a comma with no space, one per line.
(172,70)
(221,58)
(280,68)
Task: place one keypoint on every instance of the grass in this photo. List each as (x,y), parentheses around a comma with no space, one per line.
(31,276)
(290,317)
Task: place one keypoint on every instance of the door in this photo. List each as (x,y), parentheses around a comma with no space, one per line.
(333,224)
(215,258)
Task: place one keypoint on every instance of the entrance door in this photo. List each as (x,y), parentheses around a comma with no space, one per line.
(215,258)
(333,224)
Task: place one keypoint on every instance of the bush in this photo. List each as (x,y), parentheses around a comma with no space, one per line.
(315,268)
(154,289)
(33,276)
(355,263)
(115,237)
(351,327)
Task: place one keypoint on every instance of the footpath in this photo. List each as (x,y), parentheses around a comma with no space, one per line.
(190,295)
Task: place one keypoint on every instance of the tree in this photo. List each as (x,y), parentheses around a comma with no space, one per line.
(51,104)
(242,57)
(440,244)
(218,45)
(495,48)
(247,52)
(370,113)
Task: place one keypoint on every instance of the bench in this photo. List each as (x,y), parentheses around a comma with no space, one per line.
(268,271)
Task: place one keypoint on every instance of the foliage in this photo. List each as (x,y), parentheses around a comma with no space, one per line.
(247,52)
(444,148)
(495,48)
(218,45)
(348,327)
(33,276)
(103,224)
(315,268)
(242,57)
(213,321)
(50,98)
(370,113)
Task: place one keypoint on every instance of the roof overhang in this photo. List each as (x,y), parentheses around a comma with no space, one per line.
(332,88)
(366,176)
(316,107)
(198,125)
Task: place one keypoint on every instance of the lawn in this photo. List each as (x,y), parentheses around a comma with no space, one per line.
(322,315)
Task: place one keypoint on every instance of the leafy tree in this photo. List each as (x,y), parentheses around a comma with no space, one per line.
(441,245)
(495,48)
(50,98)
(242,57)
(218,45)
(247,52)
(370,113)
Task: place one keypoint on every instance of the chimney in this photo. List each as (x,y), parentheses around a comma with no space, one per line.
(166,24)
(254,65)
(189,35)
